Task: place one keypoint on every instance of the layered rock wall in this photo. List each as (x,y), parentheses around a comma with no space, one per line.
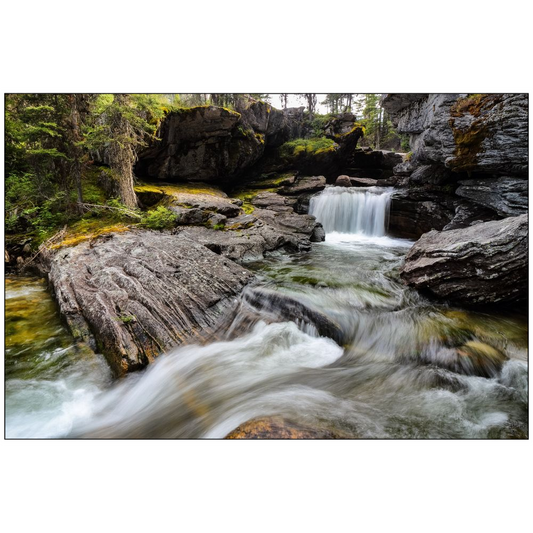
(469,150)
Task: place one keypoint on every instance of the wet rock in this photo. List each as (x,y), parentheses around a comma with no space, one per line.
(343,181)
(364,182)
(318,235)
(473,358)
(416,211)
(295,309)
(482,264)
(304,185)
(506,196)
(278,428)
(137,294)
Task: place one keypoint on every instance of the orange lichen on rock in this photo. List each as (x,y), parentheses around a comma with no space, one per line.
(278,428)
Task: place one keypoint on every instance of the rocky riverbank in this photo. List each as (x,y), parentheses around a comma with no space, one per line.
(468,166)
(133,294)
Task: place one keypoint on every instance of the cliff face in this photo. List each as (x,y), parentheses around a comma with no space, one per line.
(469,158)
(482,133)
(214,144)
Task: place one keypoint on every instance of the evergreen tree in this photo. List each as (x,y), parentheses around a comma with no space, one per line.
(121,124)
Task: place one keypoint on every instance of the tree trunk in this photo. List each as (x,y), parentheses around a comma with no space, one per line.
(76,152)
(122,154)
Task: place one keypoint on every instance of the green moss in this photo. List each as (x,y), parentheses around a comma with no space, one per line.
(127,319)
(315,145)
(248,208)
(173,189)
(86,230)
(355,127)
(159,218)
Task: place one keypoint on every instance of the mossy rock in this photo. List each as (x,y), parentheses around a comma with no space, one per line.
(481,359)
(278,428)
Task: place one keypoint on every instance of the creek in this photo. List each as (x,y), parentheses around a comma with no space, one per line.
(402,367)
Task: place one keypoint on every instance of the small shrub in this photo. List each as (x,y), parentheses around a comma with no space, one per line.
(159,218)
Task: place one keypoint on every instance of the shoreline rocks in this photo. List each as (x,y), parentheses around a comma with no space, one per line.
(482,264)
(135,295)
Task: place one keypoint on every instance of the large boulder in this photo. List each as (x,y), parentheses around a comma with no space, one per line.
(343,181)
(215,144)
(482,264)
(205,143)
(276,227)
(304,185)
(417,210)
(134,295)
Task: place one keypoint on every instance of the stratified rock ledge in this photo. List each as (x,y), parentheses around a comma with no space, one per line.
(137,294)
(482,264)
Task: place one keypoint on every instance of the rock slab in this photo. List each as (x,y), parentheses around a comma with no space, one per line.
(482,264)
(134,295)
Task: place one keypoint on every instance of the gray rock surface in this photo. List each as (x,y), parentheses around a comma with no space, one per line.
(295,309)
(304,185)
(482,264)
(416,211)
(266,230)
(475,133)
(506,196)
(215,144)
(134,295)
(468,214)
(364,182)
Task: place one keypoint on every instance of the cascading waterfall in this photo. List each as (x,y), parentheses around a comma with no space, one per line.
(363,211)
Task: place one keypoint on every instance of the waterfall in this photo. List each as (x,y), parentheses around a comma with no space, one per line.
(362,211)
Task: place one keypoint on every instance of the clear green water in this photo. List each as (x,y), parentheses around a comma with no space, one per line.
(50,380)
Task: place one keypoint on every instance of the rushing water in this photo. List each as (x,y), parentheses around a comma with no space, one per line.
(397,374)
(353,211)
(50,381)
